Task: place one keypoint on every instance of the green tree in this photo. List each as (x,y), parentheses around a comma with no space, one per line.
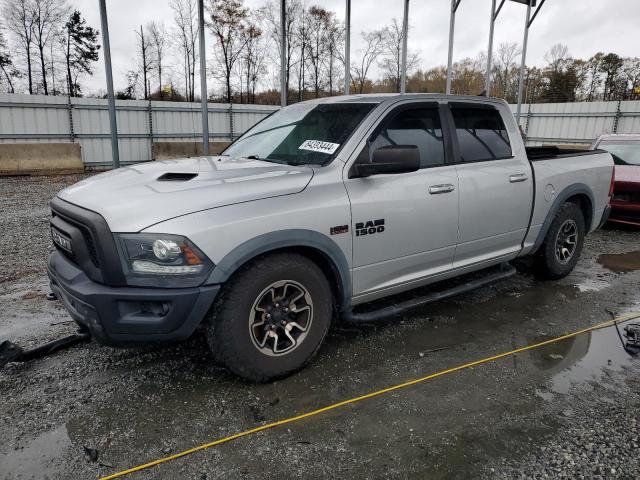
(81,49)
(610,66)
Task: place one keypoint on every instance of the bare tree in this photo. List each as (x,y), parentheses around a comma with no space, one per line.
(631,71)
(374,47)
(6,65)
(185,17)
(505,71)
(302,35)
(319,21)
(270,15)
(158,38)
(252,59)
(48,18)
(391,63)
(335,44)
(145,63)
(227,25)
(595,80)
(19,18)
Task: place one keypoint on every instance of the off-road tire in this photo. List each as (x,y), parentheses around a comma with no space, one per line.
(227,329)
(547,265)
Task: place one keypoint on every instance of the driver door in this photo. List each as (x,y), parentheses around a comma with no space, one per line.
(405,226)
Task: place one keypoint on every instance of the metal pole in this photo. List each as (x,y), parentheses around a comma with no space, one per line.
(203,80)
(523,63)
(405,31)
(347,48)
(115,152)
(452,26)
(487,79)
(283,53)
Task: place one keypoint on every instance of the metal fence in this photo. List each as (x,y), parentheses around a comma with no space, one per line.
(577,123)
(41,119)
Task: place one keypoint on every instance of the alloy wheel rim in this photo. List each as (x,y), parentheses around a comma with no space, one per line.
(280,317)
(566,241)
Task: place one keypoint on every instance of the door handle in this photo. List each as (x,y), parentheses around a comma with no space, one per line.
(518,177)
(444,188)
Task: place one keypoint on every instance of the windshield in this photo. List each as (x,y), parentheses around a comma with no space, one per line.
(623,153)
(304,133)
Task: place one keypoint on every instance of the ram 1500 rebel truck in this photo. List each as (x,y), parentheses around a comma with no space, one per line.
(321,207)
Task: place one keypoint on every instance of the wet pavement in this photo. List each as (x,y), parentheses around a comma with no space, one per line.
(94,410)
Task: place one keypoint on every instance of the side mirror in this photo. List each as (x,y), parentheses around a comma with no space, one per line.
(391,159)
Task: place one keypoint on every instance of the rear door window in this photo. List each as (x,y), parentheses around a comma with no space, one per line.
(481,134)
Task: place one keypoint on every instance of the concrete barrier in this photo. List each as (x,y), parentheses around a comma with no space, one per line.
(170,150)
(40,158)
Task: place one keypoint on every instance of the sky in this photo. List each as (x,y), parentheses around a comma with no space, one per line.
(585,26)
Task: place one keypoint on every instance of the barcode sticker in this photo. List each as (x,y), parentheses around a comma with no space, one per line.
(319,146)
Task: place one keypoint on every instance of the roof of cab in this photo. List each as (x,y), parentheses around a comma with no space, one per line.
(394,97)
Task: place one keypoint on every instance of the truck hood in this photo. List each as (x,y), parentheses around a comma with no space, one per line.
(133,198)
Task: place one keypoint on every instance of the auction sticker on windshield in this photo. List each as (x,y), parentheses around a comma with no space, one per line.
(319,146)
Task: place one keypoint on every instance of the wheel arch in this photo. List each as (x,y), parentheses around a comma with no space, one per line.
(577,193)
(313,245)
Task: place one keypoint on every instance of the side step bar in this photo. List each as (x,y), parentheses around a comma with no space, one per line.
(506,271)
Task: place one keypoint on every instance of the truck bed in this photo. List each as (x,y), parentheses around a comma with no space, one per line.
(551,152)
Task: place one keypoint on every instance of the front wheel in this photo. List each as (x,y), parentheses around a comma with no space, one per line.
(563,243)
(271,318)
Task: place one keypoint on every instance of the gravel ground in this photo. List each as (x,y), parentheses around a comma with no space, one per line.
(567,411)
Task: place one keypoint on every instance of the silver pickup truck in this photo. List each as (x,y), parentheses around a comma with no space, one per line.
(321,207)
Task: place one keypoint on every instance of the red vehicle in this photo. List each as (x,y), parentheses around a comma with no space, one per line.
(625,203)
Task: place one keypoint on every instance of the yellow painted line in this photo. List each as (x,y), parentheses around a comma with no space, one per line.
(377,393)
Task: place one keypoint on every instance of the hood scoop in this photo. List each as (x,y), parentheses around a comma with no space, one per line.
(177,177)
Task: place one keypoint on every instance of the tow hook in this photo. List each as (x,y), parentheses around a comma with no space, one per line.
(10,352)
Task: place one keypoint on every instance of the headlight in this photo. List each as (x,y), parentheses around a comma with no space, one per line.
(161,255)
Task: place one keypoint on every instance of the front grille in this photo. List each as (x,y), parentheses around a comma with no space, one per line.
(86,235)
(91,246)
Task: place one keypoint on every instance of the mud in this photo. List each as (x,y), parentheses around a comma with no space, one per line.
(132,406)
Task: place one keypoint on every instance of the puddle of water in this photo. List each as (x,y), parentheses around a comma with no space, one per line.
(36,460)
(581,359)
(592,285)
(622,262)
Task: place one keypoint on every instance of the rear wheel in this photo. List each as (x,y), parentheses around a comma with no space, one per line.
(563,244)
(271,318)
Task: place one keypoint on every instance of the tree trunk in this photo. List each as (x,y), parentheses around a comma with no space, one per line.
(6,74)
(43,67)
(70,89)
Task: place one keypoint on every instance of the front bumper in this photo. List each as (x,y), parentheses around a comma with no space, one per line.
(128,315)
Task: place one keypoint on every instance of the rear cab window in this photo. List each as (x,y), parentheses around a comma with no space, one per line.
(481,133)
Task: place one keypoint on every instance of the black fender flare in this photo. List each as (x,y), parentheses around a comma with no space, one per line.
(563,196)
(282,239)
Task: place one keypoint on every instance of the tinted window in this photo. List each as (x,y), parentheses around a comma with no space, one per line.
(481,134)
(419,127)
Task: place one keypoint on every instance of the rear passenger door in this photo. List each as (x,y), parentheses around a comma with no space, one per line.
(496,187)
(414,216)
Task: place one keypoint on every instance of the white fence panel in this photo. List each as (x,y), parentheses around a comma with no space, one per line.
(40,118)
(577,123)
